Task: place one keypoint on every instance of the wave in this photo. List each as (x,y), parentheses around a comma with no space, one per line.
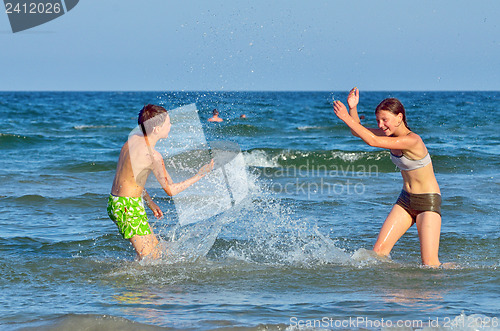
(28,199)
(86,322)
(86,166)
(11,135)
(96,321)
(465,162)
(314,127)
(360,161)
(112,322)
(318,160)
(86,200)
(86,127)
(16,141)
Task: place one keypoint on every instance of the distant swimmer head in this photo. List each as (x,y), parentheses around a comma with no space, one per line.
(153,117)
(215,112)
(395,107)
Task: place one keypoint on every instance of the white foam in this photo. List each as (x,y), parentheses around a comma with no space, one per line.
(368,257)
(348,156)
(311,127)
(83,127)
(259,158)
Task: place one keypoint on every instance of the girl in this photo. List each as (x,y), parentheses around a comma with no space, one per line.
(420,198)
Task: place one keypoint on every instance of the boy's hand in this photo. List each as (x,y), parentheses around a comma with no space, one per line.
(353,98)
(206,168)
(155,209)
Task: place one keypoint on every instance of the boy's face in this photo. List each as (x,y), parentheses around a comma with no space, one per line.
(165,128)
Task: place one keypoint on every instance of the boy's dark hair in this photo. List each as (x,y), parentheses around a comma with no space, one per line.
(151,116)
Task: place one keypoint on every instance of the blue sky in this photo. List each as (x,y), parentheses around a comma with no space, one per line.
(258,45)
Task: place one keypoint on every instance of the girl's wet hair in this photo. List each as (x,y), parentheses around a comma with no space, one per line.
(393,106)
(151,116)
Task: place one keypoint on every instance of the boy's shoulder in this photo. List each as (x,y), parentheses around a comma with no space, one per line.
(136,148)
(157,157)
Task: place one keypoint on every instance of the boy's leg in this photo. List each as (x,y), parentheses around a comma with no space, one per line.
(146,245)
(130,217)
(396,224)
(429,231)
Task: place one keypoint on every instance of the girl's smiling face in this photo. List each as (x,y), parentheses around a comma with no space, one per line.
(388,122)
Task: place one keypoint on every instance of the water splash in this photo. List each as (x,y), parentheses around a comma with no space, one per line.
(261,229)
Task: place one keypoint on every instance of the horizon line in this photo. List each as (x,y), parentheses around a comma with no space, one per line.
(234,91)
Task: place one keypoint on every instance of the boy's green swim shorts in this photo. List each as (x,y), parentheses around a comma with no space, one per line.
(129,215)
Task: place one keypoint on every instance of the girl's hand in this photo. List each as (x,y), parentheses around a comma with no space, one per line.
(155,209)
(353,98)
(340,110)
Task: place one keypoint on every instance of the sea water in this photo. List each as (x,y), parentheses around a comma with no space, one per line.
(293,254)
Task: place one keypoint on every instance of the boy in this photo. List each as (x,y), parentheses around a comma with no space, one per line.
(137,160)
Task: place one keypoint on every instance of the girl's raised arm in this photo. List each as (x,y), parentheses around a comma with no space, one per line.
(352,102)
(372,137)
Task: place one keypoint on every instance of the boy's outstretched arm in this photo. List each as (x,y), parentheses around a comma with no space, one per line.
(166,182)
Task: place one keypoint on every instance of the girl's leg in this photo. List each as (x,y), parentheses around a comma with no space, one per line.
(429,231)
(396,224)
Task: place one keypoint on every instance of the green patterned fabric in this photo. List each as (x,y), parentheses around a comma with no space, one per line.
(129,215)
